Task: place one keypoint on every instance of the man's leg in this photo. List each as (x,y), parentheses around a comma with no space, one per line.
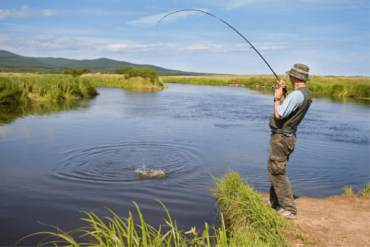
(280,149)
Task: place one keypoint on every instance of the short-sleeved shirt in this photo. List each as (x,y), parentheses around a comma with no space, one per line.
(290,104)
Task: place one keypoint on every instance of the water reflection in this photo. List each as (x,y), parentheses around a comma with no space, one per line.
(11,113)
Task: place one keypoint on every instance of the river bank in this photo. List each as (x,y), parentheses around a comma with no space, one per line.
(23,88)
(355,86)
(333,221)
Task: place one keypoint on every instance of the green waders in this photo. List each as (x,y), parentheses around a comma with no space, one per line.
(281,193)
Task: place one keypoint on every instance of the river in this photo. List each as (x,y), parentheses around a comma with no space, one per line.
(59,159)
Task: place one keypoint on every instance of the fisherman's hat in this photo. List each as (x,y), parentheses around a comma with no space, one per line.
(299,71)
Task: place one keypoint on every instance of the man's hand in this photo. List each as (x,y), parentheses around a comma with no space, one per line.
(278,93)
(282,84)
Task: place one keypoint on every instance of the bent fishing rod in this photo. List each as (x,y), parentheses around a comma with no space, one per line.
(197,10)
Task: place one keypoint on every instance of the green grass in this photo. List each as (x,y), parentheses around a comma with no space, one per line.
(347,191)
(20,88)
(117,231)
(343,86)
(364,191)
(248,222)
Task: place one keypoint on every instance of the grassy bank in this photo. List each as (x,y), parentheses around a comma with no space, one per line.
(248,222)
(22,88)
(113,80)
(319,85)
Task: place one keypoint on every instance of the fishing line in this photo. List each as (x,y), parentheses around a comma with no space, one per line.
(197,10)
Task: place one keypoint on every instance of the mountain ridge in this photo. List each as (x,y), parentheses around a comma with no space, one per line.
(11,60)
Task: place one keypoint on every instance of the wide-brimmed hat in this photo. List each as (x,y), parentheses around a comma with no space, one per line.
(299,71)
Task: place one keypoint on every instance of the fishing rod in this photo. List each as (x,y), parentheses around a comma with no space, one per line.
(226,24)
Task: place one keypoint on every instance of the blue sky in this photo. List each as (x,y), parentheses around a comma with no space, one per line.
(330,36)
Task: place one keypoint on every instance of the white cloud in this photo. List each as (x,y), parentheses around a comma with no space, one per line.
(197,57)
(25,12)
(152,20)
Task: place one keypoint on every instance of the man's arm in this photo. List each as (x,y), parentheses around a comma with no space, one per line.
(278,94)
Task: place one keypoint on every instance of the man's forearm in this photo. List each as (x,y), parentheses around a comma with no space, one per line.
(276,104)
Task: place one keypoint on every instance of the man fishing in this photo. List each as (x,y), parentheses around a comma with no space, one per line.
(288,113)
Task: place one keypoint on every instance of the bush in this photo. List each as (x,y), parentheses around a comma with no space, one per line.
(123,70)
(76,72)
(144,73)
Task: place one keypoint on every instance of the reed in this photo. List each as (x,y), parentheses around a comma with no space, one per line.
(355,86)
(19,88)
(22,88)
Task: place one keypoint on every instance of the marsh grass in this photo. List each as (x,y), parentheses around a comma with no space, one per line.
(355,86)
(364,191)
(120,81)
(249,220)
(21,88)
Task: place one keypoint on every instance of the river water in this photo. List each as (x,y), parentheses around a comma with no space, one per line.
(59,159)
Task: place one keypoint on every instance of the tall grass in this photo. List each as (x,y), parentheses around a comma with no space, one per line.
(20,88)
(250,221)
(121,81)
(320,85)
(120,232)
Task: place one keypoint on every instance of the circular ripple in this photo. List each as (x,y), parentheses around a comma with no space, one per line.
(118,163)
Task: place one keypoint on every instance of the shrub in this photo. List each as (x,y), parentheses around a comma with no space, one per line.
(76,72)
(123,70)
(144,73)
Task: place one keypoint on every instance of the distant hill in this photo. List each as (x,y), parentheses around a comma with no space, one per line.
(11,61)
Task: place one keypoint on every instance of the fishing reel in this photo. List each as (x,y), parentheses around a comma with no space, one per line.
(274,88)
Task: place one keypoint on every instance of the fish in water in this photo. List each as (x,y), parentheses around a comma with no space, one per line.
(144,172)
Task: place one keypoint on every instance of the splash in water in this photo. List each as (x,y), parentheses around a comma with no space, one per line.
(145,172)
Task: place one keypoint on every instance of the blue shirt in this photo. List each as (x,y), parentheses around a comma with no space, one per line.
(290,104)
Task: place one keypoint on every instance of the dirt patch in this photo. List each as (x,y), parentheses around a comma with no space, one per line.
(334,221)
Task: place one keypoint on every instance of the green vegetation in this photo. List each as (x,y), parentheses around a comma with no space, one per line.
(248,222)
(145,73)
(17,89)
(364,191)
(347,191)
(123,70)
(117,231)
(23,88)
(356,86)
(76,72)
